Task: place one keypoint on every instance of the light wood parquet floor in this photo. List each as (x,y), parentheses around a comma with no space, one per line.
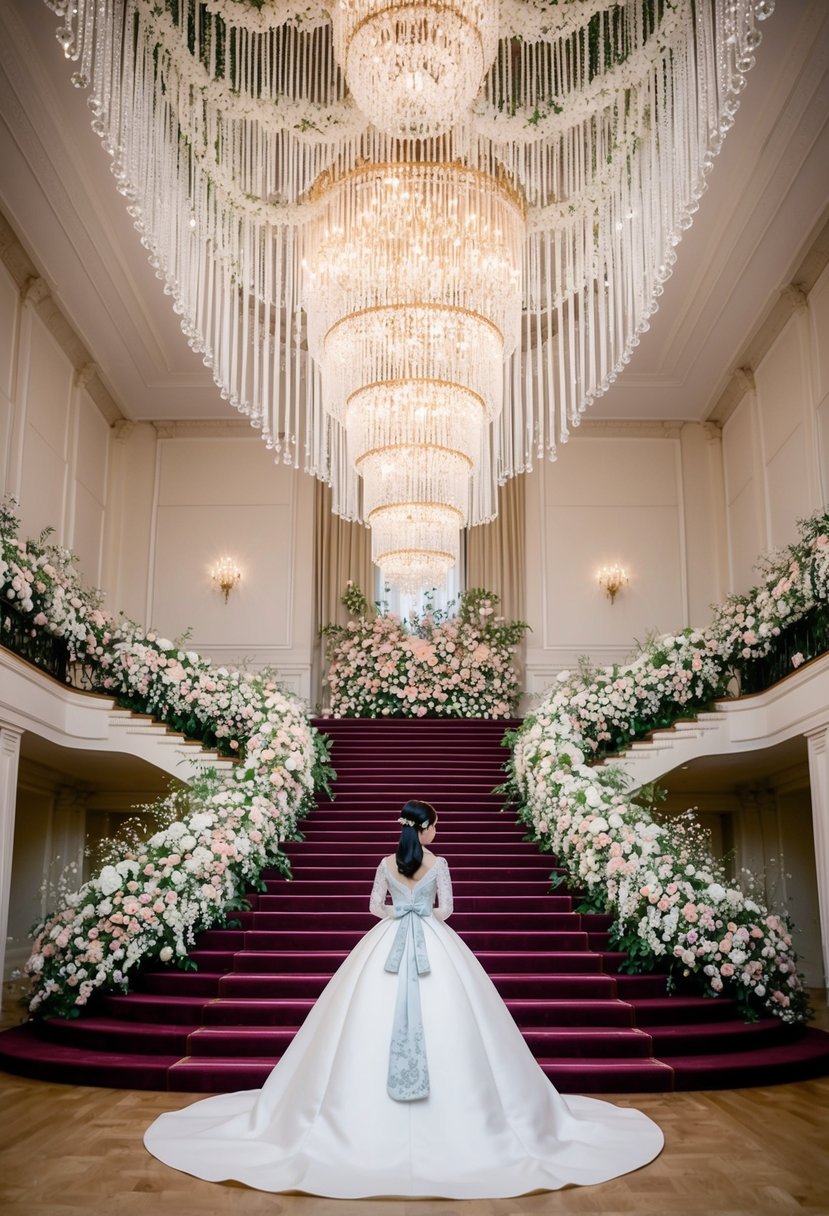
(71,1151)
(76,1151)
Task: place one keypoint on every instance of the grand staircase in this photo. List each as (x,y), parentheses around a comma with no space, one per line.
(592,1029)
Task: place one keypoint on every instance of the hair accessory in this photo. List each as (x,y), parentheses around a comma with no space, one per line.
(408,823)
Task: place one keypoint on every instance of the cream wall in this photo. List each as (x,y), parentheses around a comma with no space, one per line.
(223,494)
(643,496)
(186,494)
(776,441)
(55,440)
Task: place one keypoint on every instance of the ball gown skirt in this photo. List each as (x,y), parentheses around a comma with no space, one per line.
(324,1123)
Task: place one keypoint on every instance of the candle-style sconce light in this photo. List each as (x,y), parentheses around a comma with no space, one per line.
(611,579)
(226,575)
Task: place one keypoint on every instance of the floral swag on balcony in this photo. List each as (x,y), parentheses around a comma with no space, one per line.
(674,906)
(214,837)
(435,665)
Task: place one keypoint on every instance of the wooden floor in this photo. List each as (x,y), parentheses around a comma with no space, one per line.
(72,1151)
(69,1150)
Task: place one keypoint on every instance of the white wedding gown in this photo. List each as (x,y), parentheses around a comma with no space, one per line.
(324,1123)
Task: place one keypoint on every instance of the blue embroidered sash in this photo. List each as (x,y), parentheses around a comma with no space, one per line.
(408,1077)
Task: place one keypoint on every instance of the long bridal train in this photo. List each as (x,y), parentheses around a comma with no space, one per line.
(492,1125)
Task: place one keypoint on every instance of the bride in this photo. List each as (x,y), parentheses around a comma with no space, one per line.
(409,1076)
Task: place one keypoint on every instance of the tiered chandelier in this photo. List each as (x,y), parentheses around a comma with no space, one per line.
(413,296)
(414,239)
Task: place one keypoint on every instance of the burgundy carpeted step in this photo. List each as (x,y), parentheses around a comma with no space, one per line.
(588,1042)
(231,1013)
(706,1038)
(807,1057)
(566,1008)
(335,905)
(270,943)
(112,1034)
(655,1011)
(478,868)
(27,1054)
(185,1011)
(355,852)
(632,987)
(330,884)
(608,1076)
(179,983)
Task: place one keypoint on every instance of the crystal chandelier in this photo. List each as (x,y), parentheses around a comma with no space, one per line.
(413,296)
(412,242)
(414,66)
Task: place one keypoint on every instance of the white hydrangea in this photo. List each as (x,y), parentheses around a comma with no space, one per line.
(109,880)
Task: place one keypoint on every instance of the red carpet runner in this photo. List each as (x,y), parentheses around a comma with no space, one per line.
(593,1031)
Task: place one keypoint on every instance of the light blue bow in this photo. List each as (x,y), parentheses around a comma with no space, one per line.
(408,958)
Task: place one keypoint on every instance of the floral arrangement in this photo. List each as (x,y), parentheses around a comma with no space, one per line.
(671,901)
(217,835)
(434,665)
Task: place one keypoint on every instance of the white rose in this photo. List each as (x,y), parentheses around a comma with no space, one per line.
(188,842)
(165,954)
(593,797)
(716,892)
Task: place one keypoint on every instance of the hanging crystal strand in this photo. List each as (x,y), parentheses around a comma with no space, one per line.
(303,357)
(278,404)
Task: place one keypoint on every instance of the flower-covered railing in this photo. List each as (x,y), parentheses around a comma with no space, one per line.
(17,633)
(672,902)
(435,665)
(215,837)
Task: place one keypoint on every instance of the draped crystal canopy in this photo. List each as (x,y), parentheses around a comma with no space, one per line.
(413,240)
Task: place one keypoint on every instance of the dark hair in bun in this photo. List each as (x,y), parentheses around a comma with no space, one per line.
(416,817)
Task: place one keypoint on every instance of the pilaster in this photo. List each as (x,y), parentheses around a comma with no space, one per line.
(818,741)
(10,737)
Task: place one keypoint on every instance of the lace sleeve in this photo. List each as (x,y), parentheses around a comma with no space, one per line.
(446,902)
(377,905)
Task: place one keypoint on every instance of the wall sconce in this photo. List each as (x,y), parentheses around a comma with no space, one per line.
(612,579)
(225,574)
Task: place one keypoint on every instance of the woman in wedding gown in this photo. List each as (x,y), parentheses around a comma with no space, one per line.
(409,1076)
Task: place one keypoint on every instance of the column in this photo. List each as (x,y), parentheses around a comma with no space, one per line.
(818,741)
(10,737)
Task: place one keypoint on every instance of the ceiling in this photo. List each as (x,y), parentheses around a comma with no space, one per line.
(765,206)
